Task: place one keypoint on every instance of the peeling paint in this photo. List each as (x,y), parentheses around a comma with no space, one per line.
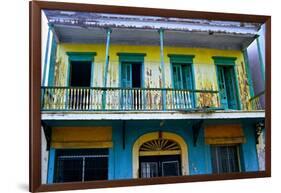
(88,20)
(204,70)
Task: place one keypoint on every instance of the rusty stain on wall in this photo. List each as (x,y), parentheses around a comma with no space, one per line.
(204,70)
(243,87)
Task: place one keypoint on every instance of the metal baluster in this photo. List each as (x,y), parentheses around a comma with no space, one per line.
(189,99)
(91,99)
(135,97)
(181,99)
(87,98)
(138,98)
(83,99)
(178,99)
(74,98)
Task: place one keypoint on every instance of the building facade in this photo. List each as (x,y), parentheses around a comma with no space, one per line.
(138,97)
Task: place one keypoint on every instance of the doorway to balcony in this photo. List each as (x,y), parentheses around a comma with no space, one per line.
(227,87)
(131,77)
(80,81)
(131,80)
(80,73)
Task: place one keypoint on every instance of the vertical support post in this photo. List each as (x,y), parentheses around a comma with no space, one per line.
(52,58)
(108,32)
(248,71)
(51,166)
(46,58)
(161,33)
(261,60)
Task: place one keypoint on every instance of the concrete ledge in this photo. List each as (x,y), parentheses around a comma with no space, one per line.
(149,115)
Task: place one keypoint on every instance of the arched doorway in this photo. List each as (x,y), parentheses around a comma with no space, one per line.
(160,154)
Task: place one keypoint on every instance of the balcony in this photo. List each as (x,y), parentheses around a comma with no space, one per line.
(258,101)
(127,99)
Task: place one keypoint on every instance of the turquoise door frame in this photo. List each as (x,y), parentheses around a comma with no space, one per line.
(51,166)
(131,57)
(80,56)
(229,62)
(177,60)
(126,60)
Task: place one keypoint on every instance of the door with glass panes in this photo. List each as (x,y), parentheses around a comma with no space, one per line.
(131,82)
(157,166)
(227,87)
(183,97)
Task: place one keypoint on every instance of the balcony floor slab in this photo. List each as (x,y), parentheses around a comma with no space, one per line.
(149,115)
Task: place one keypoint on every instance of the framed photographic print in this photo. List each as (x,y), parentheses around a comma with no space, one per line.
(124,96)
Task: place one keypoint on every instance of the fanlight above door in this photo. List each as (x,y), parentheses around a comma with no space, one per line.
(160,145)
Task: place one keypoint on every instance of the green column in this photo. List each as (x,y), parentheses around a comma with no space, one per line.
(161,33)
(248,71)
(108,32)
(46,57)
(260,60)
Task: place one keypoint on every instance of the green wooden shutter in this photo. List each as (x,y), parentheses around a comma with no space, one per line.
(230,88)
(177,76)
(126,78)
(222,87)
(126,75)
(187,77)
(188,84)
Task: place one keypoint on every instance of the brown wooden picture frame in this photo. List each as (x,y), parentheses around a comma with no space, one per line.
(35,8)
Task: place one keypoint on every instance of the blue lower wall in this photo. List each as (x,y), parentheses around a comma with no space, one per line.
(199,156)
(120,155)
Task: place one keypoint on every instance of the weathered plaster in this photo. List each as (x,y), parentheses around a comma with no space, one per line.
(204,69)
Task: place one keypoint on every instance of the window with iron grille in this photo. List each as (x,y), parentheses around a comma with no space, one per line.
(81,165)
(225,159)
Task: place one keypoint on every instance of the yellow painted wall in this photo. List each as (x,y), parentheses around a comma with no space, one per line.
(204,67)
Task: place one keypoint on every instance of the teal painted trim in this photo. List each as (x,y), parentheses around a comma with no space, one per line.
(181,58)
(52,62)
(161,33)
(46,57)
(131,57)
(249,76)
(238,95)
(220,60)
(51,166)
(79,56)
(193,85)
(229,61)
(184,59)
(108,32)
(261,61)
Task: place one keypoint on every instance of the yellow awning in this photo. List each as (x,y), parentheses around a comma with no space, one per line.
(224,134)
(81,137)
